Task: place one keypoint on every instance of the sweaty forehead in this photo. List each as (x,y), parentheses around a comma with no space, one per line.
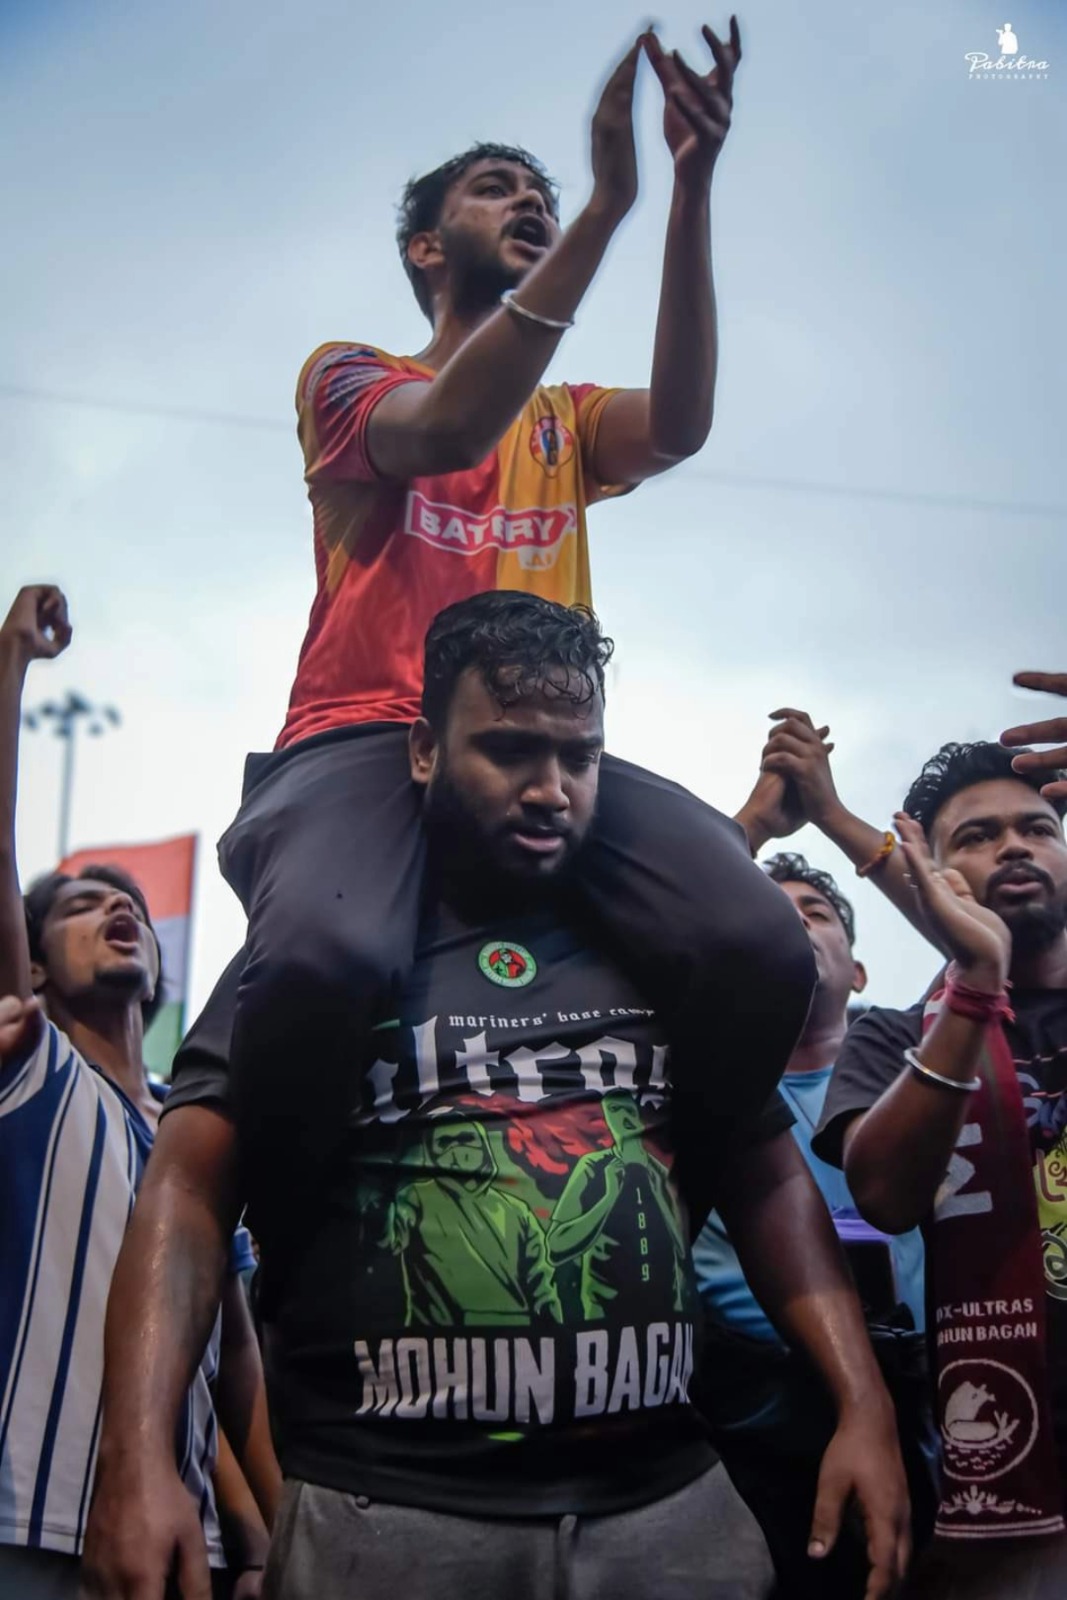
(1003,799)
(563,705)
(514,172)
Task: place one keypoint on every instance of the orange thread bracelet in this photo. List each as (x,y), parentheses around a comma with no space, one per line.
(889,844)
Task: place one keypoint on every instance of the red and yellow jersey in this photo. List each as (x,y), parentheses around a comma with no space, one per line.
(390,556)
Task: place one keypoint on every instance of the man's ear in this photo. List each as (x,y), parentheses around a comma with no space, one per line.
(425,250)
(859,977)
(38,977)
(422,751)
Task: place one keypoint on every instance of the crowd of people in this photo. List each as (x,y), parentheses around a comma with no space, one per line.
(579,1178)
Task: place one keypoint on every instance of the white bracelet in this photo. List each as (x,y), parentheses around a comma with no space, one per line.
(972,1085)
(509,302)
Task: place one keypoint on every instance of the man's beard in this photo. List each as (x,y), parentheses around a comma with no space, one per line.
(463,851)
(1033,927)
(477,278)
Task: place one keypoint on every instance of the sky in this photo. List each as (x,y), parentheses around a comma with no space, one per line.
(195,197)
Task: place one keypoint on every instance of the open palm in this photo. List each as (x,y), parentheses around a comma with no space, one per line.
(697,106)
(974,936)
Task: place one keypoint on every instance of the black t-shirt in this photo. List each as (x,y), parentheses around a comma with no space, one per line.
(872,1058)
(495,1307)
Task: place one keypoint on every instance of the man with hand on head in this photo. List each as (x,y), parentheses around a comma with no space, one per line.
(79,972)
(951,1115)
(434,478)
(479,1360)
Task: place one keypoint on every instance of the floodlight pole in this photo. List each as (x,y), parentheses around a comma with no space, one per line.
(65,717)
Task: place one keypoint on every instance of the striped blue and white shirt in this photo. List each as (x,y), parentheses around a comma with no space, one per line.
(72,1151)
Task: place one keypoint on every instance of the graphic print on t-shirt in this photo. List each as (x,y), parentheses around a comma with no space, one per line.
(520,1253)
(556,1221)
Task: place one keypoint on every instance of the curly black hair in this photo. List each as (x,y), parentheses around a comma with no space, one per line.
(423,198)
(958,766)
(517,641)
(40,897)
(788,866)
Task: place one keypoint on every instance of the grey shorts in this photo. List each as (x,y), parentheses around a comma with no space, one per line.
(698,1542)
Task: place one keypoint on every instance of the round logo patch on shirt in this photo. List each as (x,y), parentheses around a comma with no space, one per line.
(510,965)
(551,444)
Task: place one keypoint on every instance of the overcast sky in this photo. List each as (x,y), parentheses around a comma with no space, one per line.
(196,196)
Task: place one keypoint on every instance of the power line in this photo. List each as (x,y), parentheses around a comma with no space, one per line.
(230,419)
(728,480)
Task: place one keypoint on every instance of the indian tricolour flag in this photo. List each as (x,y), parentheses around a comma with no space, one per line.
(165,872)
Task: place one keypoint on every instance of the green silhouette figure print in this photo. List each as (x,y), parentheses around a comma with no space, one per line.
(473,1255)
(620,1215)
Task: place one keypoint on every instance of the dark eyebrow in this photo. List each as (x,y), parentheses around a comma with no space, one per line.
(85,891)
(815,899)
(1001,822)
(509,176)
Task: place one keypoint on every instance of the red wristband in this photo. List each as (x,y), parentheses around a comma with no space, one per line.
(978,1005)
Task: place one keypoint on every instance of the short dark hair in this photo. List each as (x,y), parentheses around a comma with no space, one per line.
(515,640)
(790,867)
(960,766)
(423,199)
(40,897)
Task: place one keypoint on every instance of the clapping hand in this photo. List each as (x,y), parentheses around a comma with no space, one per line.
(614,150)
(697,106)
(977,939)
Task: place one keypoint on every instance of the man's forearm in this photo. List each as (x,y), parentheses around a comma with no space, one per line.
(686,353)
(896,1154)
(464,413)
(245,1533)
(162,1305)
(241,1401)
(14,952)
(860,841)
(794,1264)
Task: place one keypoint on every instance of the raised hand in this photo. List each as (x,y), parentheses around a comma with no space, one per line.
(37,626)
(976,938)
(799,752)
(614,150)
(697,107)
(1055,728)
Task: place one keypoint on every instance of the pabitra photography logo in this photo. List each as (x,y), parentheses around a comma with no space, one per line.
(1010,64)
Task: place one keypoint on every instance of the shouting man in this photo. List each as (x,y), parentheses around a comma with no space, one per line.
(441,476)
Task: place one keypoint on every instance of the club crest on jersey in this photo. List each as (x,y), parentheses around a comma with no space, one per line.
(510,965)
(551,444)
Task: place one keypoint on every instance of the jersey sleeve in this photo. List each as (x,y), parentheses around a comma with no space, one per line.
(772,1119)
(870,1060)
(338,389)
(202,1079)
(25,1075)
(590,403)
